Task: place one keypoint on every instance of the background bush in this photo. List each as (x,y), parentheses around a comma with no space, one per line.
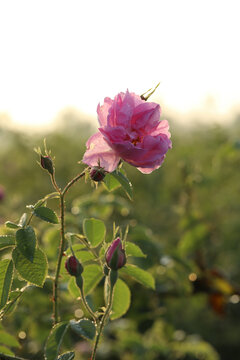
(185,217)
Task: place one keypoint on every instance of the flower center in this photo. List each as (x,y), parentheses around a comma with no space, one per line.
(135,141)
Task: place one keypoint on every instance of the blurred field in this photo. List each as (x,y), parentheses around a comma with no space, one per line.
(185,217)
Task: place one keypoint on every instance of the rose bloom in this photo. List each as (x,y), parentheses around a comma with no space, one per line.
(131,130)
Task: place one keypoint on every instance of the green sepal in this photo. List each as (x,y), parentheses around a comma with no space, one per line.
(113,276)
(11,225)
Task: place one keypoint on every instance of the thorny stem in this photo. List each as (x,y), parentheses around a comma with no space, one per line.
(102,322)
(95,318)
(62,241)
(60,255)
(72,182)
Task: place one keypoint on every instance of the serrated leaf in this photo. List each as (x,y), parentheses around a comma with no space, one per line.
(140,275)
(125,183)
(46,214)
(54,340)
(6,241)
(8,340)
(121,300)
(92,275)
(111,183)
(23,220)
(11,225)
(67,356)
(84,327)
(94,230)
(26,242)
(134,250)
(6,273)
(12,303)
(34,272)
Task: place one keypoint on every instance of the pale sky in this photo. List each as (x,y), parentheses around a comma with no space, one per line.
(56,54)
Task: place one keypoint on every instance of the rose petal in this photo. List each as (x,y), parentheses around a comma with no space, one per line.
(146,116)
(103,111)
(99,153)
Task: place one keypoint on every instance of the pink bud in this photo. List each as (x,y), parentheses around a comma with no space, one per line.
(115,255)
(73,266)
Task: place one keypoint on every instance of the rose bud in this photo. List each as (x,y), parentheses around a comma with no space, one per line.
(115,255)
(73,266)
(97,173)
(46,163)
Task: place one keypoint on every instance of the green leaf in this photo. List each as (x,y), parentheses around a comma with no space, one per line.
(11,304)
(84,256)
(125,183)
(67,356)
(140,275)
(94,230)
(6,351)
(6,241)
(36,271)
(110,182)
(11,225)
(8,340)
(134,250)
(6,273)
(76,248)
(54,340)
(73,288)
(26,242)
(81,255)
(46,214)
(92,275)
(84,327)
(121,299)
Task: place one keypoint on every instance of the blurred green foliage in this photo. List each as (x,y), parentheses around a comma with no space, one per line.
(185,217)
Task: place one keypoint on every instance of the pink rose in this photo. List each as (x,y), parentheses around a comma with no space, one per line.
(131,130)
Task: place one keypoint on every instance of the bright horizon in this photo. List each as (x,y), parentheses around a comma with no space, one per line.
(58,54)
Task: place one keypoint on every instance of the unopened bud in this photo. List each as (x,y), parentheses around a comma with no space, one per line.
(115,255)
(97,173)
(46,163)
(73,266)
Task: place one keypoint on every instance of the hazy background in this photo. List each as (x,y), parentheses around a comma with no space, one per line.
(58,60)
(57,54)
